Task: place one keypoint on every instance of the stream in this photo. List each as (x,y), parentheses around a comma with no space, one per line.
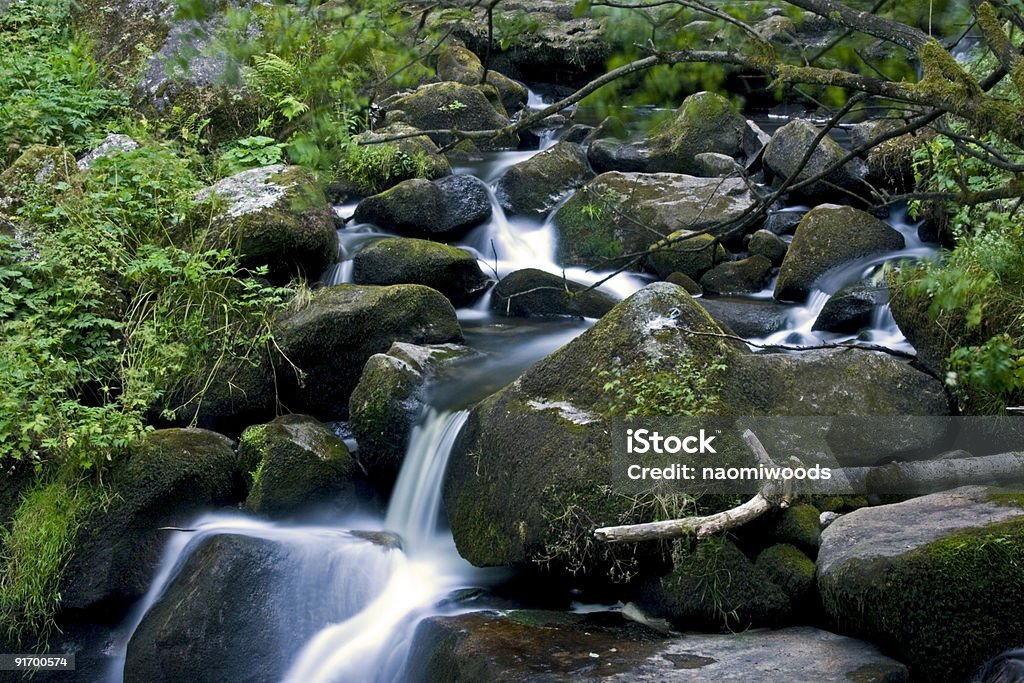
(360,599)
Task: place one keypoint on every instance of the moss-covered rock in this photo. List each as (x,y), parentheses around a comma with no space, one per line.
(851,308)
(791,570)
(800,526)
(704,123)
(297,464)
(458,64)
(388,400)
(615,213)
(400,260)
(531,292)
(374,168)
(935,581)
(112,144)
(38,167)
(911,309)
(275,216)
(124,32)
(533,187)
(685,281)
(445,209)
(787,148)
(830,236)
(768,244)
(745,276)
(332,336)
(714,586)
(169,478)
(449,106)
(691,256)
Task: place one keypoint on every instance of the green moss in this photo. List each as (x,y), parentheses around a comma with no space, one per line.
(790,569)
(1008,499)
(587,233)
(799,525)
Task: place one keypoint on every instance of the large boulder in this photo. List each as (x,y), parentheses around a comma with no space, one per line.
(912,311)
(616,213)
(789,144)
(297,463)
(400,260)
(745,276)
(241,607)
(768,244)
(533,646)
(851,308)
(704,123)
(747,317)
(541,446)
(828,237)
(389,399)
(535,293)
(173,475)
(691,256)
(935,581)
(533,187)
(449,106)
(275,216)
(460,65)
(445,209)
(332,336)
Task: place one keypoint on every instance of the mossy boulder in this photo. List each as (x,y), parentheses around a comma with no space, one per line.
(935,581)
(400,260)
(124,32)
(533,187)
(768,244)
(799,525)
(535,293)
(297,464)
(332,336)
(828,237)
(275,216)
(792,571)
(444,209)
(541,447)
(615,213)
(449,106)
(911,309)
(714,586)
(460,65)
(787,148)
(373,168)
(527,646)
(389,399)
(172,475)
(40,167)
(691,256)
(704,123)
(851,308)
(745,276)
(746,317)
(114,143)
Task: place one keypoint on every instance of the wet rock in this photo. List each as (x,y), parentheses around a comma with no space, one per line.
(169,478)
(449,106)
(685,281)
(738,277)
(400,260)
(535,186)
(747,317)
(389,399)
(275,216)
(691,256)
(783,222)
(460,65)
(535,293)
(791,570)
(384,165)
(297,463)
(768,244)
(851,309)
(935,580)
(336,332)
(787,148)
(830,236)
(616,212)
(714,165)
(912,312)
(577,133)
(112,144)
(798,525)
(446,208)
(550,647)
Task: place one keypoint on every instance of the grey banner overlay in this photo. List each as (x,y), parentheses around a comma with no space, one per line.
(30,662)
(816,455)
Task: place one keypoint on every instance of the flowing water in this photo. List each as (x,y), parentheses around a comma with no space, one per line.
(359,600)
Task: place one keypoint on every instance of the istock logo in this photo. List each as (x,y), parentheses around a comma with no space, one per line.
(642,441)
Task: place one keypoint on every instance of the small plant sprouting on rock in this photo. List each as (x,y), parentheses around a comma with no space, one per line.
(685,387)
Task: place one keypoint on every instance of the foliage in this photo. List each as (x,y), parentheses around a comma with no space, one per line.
(50,89)
(685,388)
(251,152)
(374,168)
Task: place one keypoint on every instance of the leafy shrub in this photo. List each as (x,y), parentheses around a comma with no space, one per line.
(374,168)
(251,152)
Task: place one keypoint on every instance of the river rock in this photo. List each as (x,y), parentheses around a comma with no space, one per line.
(460,65)
(275,216)
(111,145)
(535,186)
(333,335)
(531,450)
(704,123)
(446,208)
(715,165)
(169,478)
(749,318)
(535,293)
(297,463)
(936,580)
(685,281)
(911,309)
(549,647)
(851,308)
(830,236)
(691,256)
(616,213)
(400,260)
(768,244)
(449,106)
(389,399)
(738,277)
(787,148)
(783,222)
(792,571)
(383,165)
(241,607)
